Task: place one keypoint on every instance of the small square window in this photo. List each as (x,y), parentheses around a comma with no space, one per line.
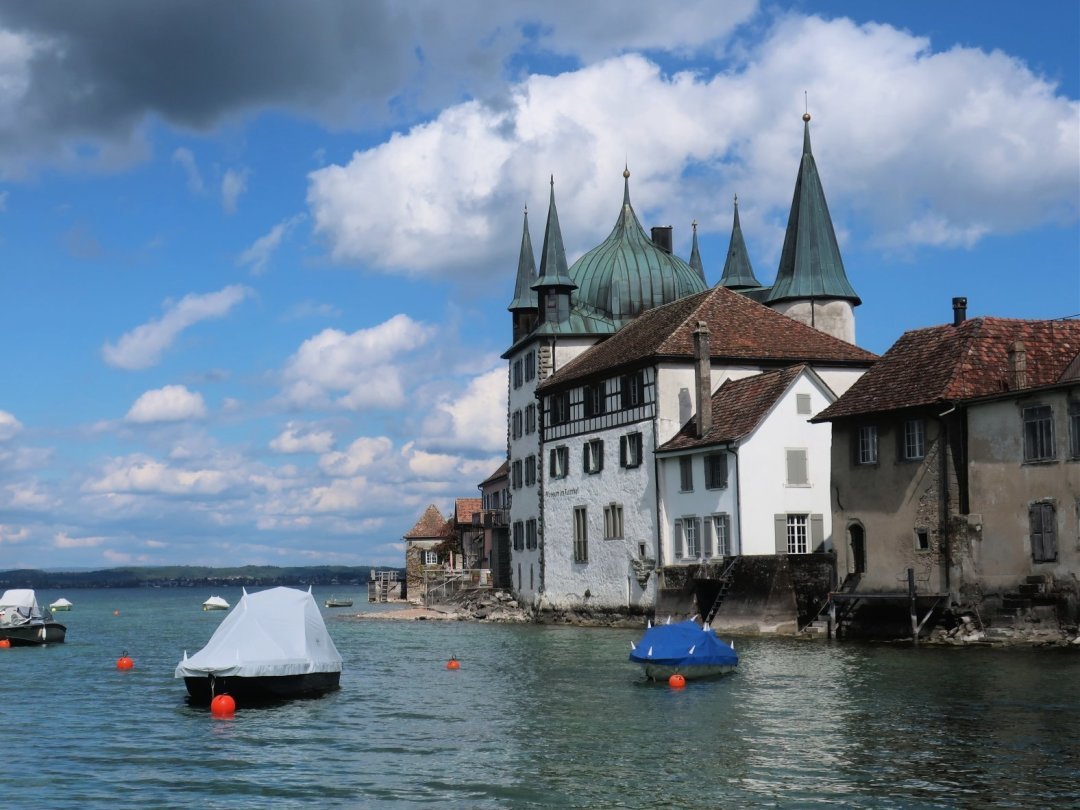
(802,404)
(922,540)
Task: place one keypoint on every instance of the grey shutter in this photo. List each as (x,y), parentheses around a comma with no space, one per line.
(817,533)
(780,529)
(678,539)
(600,459)
(1049,531)
(622,450)
(707,537)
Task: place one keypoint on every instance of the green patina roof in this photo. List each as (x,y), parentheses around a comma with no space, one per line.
(524,295)
(738,274)
(627,273)
(695,256)
(553,255)
(810,263)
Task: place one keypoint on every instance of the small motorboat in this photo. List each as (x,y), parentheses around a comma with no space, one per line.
(335,601)
(272,646)
(24,623)
(689,648)
(215,603)
(60,604)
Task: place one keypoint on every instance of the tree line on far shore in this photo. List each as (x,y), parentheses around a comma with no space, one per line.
(189,576)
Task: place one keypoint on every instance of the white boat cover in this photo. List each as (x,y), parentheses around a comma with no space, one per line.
(216,601)
(61,602)
(275,632)
(20,598)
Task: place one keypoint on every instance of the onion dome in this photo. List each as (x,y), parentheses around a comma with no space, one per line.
(628,273)
(810,263)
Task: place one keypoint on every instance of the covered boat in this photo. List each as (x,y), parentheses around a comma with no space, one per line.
(273,645)
(691,649)
(337,601)
(60,604)
(215,603)
(24,623)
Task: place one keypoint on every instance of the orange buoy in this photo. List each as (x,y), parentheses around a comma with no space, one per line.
(4,643)
(223,706)
(453,663)
(676,681)
(124,662)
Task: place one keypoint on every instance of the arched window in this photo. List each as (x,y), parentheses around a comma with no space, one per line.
(856,548)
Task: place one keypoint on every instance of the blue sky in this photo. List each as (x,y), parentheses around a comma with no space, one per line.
(255,258)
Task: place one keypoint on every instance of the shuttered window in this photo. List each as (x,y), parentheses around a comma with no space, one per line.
(581,535)
(594,456)
(1042,518)
(686,474)
(796,467)
(677,539)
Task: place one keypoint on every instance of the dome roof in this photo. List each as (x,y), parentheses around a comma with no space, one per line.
(628,273)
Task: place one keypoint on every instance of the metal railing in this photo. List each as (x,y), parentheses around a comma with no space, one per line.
(440,584)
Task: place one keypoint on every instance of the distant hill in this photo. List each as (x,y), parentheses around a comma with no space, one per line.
(189,576)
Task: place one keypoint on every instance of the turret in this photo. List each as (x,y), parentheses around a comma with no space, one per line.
(554,285)
(524,307)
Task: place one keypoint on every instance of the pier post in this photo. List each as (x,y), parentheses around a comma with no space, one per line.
(914,611)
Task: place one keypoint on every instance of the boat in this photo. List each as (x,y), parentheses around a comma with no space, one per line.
(334,601)
(24,623)
(688,648)
(272,646)
(60,604)
(215,603)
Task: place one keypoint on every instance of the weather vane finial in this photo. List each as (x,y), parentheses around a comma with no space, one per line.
(806,107)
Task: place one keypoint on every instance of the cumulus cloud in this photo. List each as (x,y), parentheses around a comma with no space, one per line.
(969,142)
(65,541)
(297,438)
(143,346)
(145,475)
(362,453)
(67,78)
(9,426)
(173,403)
(13,535)
(466,421)
(186,159)
(353,370)
(233,184)
(258,255)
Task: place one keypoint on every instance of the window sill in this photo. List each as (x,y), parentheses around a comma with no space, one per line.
(798,486)
(1038,462)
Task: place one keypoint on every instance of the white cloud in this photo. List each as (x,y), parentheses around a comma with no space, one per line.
(173,403)
(11,535)
(296,438)
(64,540)
(9,426)
(184,157)
(362,453)
(466,422)
(258,255)
(143,346)
(141,474)
(356,367)
(233,184)
(972,139)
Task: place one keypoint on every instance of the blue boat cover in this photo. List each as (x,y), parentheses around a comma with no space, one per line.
(683,644)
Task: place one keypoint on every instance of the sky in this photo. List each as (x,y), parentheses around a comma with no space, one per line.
(255,257)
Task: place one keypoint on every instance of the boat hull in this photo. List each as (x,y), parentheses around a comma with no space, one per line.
(661,672)
(333,603)
(34,634)
(263,689)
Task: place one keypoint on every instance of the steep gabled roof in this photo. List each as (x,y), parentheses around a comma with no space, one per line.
(465,508)
(810,263)
(738,406)
(502,472)
(430,525)
(740,330)
(950,363)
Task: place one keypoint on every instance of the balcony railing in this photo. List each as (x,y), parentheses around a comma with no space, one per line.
(491,518)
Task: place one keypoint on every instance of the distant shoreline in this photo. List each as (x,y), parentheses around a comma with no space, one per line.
(193,577)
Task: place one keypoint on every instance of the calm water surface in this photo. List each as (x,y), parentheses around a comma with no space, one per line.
(536,717)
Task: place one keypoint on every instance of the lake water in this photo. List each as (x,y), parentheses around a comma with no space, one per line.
(537,716)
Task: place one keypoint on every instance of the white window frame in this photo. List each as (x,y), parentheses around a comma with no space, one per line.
(721,534)
(431,557)
(798,534)
(914,439)
(866,452)
(691,538)
(613,521)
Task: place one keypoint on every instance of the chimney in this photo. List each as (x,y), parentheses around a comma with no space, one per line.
(959,311)
(702,380)
(661,237)
(1018,366)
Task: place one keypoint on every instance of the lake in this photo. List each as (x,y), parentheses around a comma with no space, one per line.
(537,716)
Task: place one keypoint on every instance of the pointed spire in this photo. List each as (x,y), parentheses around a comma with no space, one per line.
(524,295)
(738,273)
(626,186)
(810,263)
(695,254)
(553,269)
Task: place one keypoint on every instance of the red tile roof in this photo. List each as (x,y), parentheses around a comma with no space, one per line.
(955,363)
(738,406)
(740,329)
(465,508)
(430,525)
